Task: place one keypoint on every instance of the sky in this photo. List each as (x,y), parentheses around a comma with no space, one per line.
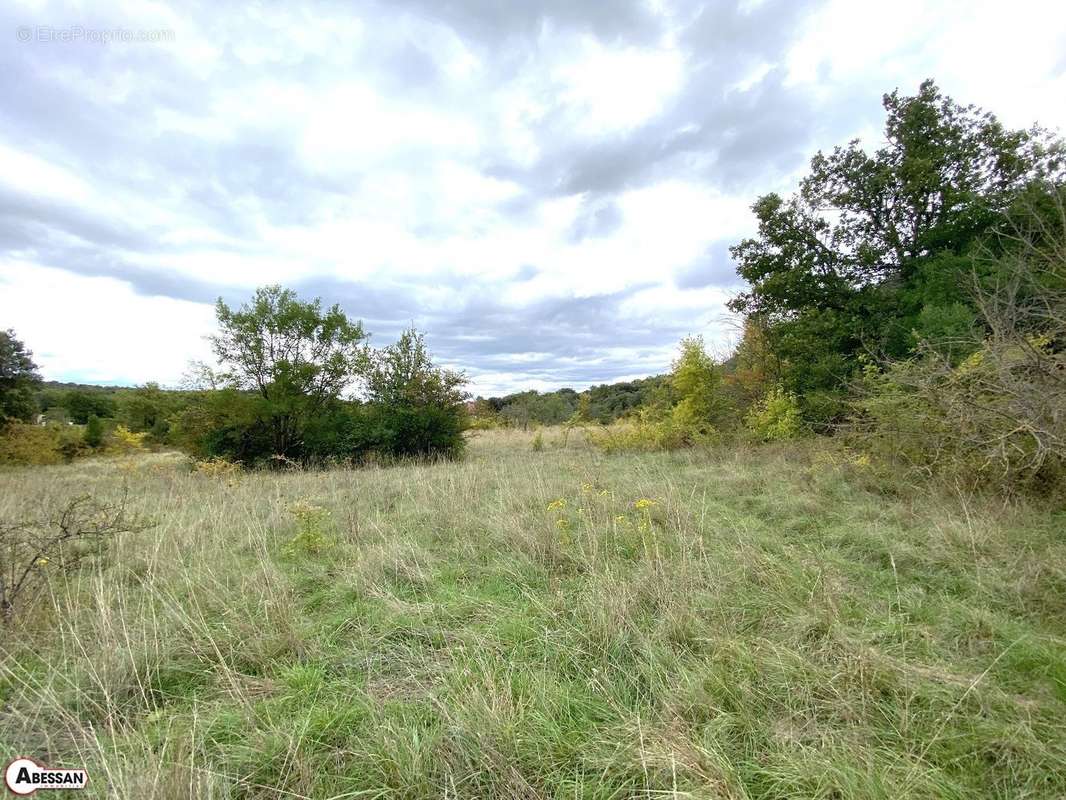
(547,188)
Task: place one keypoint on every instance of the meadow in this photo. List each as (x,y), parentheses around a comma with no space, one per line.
(741,622)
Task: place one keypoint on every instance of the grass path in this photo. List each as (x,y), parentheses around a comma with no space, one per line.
(537,624)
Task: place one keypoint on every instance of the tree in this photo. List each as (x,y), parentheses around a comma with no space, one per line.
(296,356)
(148,408)
(876,246)
(415,408)
(94,432)
(81,405)
(997,412)
(697,381)
(403,374)
(18,378)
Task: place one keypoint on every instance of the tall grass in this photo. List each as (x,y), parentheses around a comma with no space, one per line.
(774,622)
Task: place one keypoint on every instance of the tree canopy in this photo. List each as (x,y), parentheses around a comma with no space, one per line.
(874,246)
(18,378)
(293,353)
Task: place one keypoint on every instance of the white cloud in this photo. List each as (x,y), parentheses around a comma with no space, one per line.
(98,329)
(418,157)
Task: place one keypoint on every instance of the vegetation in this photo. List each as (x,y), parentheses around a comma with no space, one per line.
(37,547)
(987,405)
(827,567)
(296,358)
(873,253)
(18,377)
(737,622)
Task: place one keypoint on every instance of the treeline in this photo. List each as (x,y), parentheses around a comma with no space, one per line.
(293,383)
(911,298)
(604,404)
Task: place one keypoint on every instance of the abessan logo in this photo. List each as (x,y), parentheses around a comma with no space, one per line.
(25,776)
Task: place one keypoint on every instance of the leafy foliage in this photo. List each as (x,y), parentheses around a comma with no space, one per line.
(776,416)
(81,405)
(18,378)
(876,246)
(94,432)
(412,408)
(988,405)
(697,381)
(296,356)
(701,407)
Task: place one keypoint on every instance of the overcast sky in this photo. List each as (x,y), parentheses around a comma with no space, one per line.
(548,189)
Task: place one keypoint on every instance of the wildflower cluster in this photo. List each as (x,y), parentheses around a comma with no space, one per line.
(596,507)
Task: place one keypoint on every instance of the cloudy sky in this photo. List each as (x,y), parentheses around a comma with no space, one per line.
(548,188)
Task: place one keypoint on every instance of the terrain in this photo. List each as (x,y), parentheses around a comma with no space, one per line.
(730,622)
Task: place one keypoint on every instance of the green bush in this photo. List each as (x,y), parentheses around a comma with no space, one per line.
(94,432)
(30,444)
(647,433)
(987,405)
(776,416)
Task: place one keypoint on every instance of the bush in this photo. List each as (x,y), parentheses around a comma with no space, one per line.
(30,444)
(412,431)
(217,468)
(225,424)
(776,416)
(94,432)
(414,409)
(697,381)
(987,406)
(59,543)
(646,433)
(124,441)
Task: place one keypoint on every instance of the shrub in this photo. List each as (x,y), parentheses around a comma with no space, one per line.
(225,424)
(30,444)
(414,409)
(697,381)
(94,432)
(645,433)
(701,407)
(311,523)
(989,405)
(414,431)
(217,468)
(35,548)
(125,441)
(776,416)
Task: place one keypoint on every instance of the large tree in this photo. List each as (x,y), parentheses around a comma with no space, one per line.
(874,246)
(297,356)
(18,378)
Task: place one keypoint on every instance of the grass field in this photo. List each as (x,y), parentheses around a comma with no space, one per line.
(760,623)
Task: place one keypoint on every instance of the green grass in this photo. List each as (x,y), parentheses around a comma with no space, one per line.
(778,622)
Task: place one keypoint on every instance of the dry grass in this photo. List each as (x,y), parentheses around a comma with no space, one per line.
(773,622)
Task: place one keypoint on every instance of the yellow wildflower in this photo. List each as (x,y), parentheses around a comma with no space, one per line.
(644,503)
(555,505)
